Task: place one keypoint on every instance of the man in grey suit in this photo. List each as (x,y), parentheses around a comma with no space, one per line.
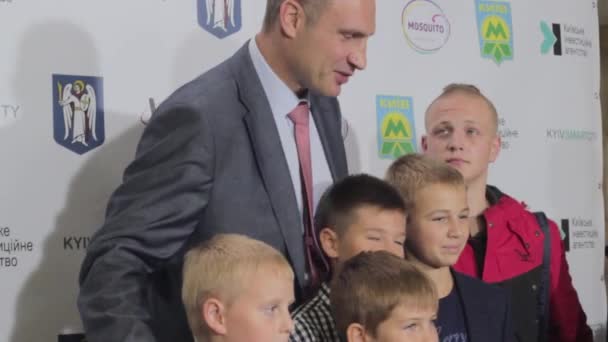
(219,156)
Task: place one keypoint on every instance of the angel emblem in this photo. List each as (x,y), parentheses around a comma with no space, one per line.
(220,14)
(79,105)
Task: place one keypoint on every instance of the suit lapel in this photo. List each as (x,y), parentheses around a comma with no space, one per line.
(475,317)
(330,135)
(270,158)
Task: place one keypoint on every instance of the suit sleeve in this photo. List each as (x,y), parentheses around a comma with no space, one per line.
(568,322)
(148,219)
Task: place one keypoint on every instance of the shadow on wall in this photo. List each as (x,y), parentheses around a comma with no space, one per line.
(46,304)
(200,51)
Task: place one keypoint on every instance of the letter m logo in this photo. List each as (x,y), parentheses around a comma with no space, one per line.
(496,31)
(396,129)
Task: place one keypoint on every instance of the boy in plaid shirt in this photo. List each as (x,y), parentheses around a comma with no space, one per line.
(358,213)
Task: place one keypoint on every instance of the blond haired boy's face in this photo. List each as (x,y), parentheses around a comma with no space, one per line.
(261,312)
(373,229)
(461,132)
(406,324)
(439,225)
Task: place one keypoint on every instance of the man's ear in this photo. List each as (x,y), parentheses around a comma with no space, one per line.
(328,239)
(291,17)
(213,313)
(355,333)
(424,143)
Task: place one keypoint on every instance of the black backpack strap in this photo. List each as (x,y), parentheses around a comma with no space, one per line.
(545,281)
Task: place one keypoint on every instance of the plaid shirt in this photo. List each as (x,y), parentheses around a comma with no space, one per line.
(313,321)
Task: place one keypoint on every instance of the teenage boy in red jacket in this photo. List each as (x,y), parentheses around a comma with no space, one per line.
(507,242)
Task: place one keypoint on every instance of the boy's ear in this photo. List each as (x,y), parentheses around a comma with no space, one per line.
(213,313)
(495,148)
(355,333)
(329,242)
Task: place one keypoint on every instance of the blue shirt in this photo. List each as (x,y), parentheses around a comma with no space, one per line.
(450,321)
(282,101)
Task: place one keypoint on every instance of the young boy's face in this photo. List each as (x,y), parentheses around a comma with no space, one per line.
(461,131)
(372,229)
(261,312)
(407,324)
(439,225)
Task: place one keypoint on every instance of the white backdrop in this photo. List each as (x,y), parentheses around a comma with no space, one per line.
(53,188)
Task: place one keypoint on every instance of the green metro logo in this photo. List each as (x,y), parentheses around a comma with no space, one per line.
(396,132)
(496,43)
(397,141)
(495,30)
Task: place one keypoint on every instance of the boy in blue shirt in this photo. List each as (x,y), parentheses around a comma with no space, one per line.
(435,197)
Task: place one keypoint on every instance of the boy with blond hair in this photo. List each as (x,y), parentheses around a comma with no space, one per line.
(436,199)
(358,213)
(378,296)
(237,289)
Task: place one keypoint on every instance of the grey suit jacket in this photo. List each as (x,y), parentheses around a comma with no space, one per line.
(210,161)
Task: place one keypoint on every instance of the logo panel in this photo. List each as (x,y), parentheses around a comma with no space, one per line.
(221,18)
(551,38)
(78,112)
(495,30)
(565,39)
(425,26)
(396,129)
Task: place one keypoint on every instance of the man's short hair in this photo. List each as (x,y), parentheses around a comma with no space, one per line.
(371,285)
(336,208)
(312,9)
(471,90)
(220,267)
(412,172)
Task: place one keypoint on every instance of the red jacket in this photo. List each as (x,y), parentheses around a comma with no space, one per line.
(513,259)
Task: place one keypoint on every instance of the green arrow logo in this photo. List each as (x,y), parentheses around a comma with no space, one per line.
(549,40)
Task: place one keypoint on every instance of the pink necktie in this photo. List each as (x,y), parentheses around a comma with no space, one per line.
(300,117)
